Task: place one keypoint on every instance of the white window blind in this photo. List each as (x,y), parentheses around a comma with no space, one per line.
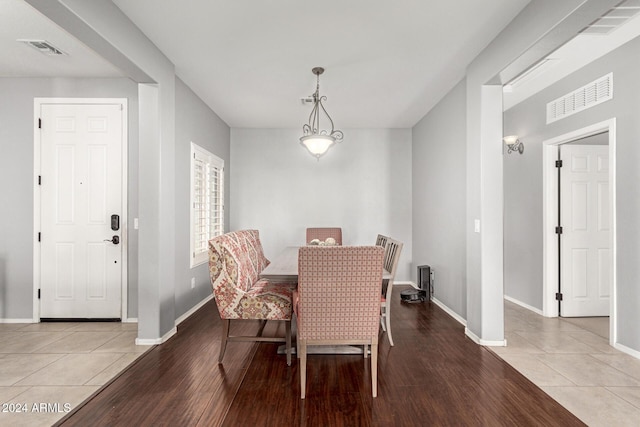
(207,201)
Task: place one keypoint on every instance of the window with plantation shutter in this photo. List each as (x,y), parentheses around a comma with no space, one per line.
(207,201)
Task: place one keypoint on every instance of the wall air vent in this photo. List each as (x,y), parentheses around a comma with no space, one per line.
(43,46)
(587,96)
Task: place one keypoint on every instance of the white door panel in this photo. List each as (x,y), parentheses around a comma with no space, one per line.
(81,168)
(585,252)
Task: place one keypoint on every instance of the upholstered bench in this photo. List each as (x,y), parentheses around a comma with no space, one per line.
(235,262)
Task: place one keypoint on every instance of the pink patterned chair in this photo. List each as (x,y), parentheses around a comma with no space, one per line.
(235,262)
(323,233)
(338,301)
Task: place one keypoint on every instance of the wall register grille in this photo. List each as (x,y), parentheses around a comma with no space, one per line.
(587,96)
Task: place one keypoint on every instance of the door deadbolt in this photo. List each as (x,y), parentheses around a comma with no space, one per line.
(115,240)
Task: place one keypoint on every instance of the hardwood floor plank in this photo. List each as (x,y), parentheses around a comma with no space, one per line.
(433,376)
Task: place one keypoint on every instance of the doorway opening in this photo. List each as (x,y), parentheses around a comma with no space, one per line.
(553,251)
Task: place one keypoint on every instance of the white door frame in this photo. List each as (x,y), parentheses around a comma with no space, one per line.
(550,216)
(37,104)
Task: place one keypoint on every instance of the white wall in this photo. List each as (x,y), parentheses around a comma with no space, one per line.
(195,122)
(362,185)
(439,189)
(523,183)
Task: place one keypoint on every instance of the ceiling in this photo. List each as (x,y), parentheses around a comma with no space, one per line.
(18,20)
(387,63)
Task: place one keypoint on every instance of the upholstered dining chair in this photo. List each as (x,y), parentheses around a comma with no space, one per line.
(322,233)
(338,301)
(392,250)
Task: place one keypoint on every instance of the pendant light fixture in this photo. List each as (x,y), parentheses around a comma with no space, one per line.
(314,138)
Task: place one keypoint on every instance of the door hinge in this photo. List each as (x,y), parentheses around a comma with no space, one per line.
(558,163)
(39,236)
(38,293)
(39,123)
(558,296)
(558,230)
(39,179)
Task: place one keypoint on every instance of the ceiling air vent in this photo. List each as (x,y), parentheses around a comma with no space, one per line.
(587,96)
(43,46)
(613,18)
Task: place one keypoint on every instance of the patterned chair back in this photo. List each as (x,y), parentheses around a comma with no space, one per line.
(323,233)
(235,262)
(339,292)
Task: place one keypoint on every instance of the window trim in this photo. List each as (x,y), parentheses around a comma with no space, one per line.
(200,256)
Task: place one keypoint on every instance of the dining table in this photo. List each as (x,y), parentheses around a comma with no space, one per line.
(284,269)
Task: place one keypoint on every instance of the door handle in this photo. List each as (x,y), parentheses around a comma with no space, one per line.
(115,240)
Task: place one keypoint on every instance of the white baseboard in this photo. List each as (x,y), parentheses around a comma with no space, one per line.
(450,312)
(405,283)
(172,332)
(480,341)
(193,309)
(156,341)
(130,320)
(627,350)
(439,303)
(523,305)
(29,320)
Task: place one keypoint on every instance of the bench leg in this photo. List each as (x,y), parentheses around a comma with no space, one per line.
(223,338)
(287,324)
(263,323)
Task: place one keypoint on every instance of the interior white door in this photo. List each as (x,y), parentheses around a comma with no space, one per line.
(584,212)
(81,188)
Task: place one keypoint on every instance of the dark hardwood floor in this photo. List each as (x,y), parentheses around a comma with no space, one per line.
(432,376)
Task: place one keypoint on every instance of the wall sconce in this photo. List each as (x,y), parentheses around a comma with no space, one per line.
(513,144)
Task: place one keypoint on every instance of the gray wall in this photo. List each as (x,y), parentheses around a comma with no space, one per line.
(16,175)
(195,122)
(362,185)
(523,183)
(438,178)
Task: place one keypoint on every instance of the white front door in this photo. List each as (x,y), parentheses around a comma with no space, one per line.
(584,212)
(81,188)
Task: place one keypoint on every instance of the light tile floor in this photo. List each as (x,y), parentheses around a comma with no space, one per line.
(572,361)
(47,369)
